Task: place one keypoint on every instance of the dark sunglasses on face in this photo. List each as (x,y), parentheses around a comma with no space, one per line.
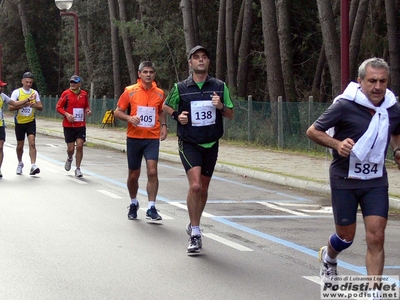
(73,82)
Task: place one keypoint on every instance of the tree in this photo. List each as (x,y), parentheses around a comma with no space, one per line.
(271,50)
(30,48)
(115,50)
(220,68)
(188,25)
(126,41)
(331,43)
(356,36)
(229,37)
(393,40)
(244,49)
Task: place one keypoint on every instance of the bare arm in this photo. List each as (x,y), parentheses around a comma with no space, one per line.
(164,130)
(226,112)
(15,105)
(322,138)
(181,118)
(395,143)
(120,114)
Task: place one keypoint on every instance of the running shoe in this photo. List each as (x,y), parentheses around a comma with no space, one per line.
(34,170)
(1,175)
(132,213)
(68,164)
(19,168)
(152,214)
(78,173)
(195,244)
(327,270)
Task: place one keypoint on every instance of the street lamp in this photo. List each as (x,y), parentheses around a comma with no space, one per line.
(65,5)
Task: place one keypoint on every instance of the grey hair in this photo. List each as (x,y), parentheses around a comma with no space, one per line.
(146,64)
(376,63)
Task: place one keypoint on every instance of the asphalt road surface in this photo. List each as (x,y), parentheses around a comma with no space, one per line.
(63,237)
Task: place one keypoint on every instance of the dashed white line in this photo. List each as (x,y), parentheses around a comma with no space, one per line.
(180,205)
(76,180)
(315,279)
(227,242)
(282,209)
(107,193)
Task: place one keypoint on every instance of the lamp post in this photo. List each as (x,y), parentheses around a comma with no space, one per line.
(65,5)
(344,43)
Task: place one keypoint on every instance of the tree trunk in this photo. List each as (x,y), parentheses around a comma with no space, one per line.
(230,56)
(195,21)
(244,50)
(188,26)
(271,50)
(86,38)
(30,50)
(127,43)
(284,34)
(331,43)
(220,59)
(285,44)
(392,29)
(356,36)
(273,57)
(115,50)
(239,30)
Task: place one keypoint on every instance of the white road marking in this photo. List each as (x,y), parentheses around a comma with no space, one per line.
(227,242)
(51,145)
(297,204)
(107,193)
(283,209)
(76,180)
(180,205)
(315,279)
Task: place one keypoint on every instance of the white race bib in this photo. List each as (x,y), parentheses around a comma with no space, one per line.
(364,170)
(203,113)
(147,115)
(25,111)
(78,114)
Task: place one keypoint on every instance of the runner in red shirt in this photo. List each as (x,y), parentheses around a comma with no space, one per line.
(74,106)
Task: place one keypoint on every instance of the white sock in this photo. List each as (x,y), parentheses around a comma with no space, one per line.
(134,201)
(196,230)
(151,203)
(329,259)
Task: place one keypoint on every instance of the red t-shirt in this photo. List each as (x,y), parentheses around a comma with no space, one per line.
(74,104)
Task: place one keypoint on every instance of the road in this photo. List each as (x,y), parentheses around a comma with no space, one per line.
(68,238)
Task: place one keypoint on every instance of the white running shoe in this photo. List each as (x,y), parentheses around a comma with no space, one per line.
(327,270)
(19,168)
(78,173)
(68,164)
(195,244)
(34,170)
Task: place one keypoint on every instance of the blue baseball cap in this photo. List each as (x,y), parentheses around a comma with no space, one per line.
(75,78)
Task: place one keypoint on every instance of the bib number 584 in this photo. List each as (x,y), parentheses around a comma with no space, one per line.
(365,168)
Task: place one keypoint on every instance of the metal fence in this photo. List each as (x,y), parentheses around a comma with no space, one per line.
(279,125)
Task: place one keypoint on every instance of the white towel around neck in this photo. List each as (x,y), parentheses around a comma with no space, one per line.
(378,127)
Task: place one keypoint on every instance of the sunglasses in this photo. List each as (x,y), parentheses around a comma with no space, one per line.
(73,82)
